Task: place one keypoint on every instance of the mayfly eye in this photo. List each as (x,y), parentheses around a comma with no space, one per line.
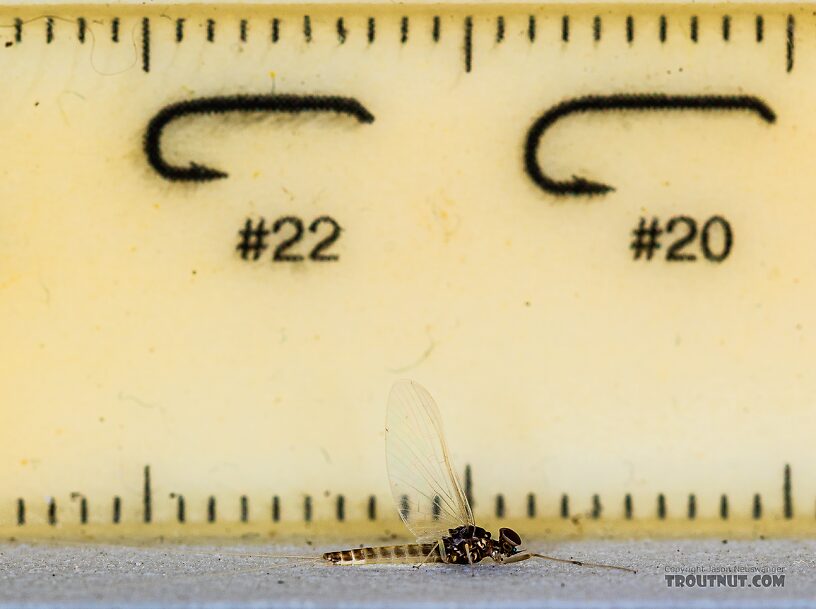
(509,536)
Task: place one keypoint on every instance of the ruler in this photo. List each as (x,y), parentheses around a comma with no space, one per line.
(587,229)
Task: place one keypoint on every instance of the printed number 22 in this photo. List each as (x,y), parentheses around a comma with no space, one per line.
(318,252)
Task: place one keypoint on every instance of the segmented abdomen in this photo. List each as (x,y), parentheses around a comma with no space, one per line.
(408,553)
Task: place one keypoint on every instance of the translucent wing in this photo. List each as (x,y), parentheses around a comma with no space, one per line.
(426,490)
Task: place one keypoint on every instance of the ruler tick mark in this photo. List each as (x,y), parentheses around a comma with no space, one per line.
(435,28)
(49,30)
(18,30)
(21,515)
(789,46)
(661,506)
(211,509)
(531,28)
(117,509)
(307,508)
(275,30)
(663,28)
(630,29)
(531,505)
(146,44)
(469,484)
(405,507)
(115,29)
(52,511)
(210,30)
(372,508)
(724,507)
(760,28)
(694,26)
(181,509)
(372,29)
(468,43)
(726,28)
(596,507)
(179,29)
(564,506)
(596,28)
(787,494)
(404,29)
(275,508)
(83,507)
(565,28)
(81,26)
(757,509)
(244,508)
(627,506)
(499,506)
(147,496)
(341,508)
(307,28)
(499,29)
(692,507)
(341,30)
(242,30)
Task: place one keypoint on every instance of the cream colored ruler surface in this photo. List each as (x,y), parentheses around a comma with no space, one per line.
(588,230)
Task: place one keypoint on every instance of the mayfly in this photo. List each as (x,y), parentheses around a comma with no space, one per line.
(429,496)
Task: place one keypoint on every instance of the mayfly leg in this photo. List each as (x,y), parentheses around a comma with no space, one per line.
(470,560)
(581,563)
(428,556)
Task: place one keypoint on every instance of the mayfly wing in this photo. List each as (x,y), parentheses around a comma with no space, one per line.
(426,490)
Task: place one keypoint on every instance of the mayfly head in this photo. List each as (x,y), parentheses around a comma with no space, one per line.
(507,549)
(509,541)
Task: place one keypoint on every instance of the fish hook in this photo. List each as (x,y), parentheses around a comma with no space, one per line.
(293,104)
(579,186)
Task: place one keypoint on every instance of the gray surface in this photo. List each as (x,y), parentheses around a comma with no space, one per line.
(212,576)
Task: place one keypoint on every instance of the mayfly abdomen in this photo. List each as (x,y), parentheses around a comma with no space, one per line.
(408,553)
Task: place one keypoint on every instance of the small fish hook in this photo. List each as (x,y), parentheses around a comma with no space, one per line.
(293,104)
(579,186)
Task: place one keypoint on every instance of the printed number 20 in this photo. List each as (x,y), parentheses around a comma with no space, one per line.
(687,228)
